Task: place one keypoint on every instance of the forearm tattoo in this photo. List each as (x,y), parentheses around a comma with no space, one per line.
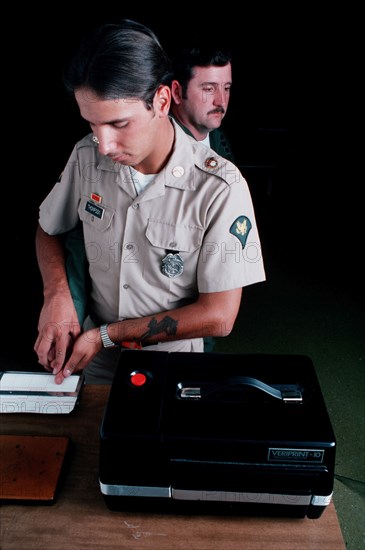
(166,325)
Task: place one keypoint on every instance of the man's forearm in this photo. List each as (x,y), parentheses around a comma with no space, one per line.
(211,315)
(51,262)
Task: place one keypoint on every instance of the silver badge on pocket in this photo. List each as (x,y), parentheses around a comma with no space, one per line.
(172,265)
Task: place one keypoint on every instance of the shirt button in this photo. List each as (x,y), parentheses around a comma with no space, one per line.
(172,244)
(135,206)
(129,246)
(178,171)
(126,286)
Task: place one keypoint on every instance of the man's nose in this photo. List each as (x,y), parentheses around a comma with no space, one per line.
(220,96)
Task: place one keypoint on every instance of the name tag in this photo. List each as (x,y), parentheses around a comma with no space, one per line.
(94,209)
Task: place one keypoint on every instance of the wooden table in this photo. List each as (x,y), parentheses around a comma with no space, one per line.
(79,518)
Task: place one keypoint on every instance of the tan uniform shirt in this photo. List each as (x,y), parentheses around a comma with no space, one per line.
(198,207)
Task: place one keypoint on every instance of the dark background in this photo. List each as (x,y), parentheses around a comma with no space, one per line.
(289,122)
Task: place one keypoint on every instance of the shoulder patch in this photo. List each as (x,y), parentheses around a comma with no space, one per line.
(240,228)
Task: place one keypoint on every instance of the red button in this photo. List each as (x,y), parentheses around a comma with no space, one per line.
(138,379)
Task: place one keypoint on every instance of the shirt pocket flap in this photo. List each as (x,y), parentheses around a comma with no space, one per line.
(176,237)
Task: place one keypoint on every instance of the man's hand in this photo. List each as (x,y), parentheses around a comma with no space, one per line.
(58,329)
(87,345)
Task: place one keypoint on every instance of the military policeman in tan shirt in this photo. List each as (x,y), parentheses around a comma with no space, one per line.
(169,225)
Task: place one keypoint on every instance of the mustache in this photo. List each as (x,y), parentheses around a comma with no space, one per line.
(217,110)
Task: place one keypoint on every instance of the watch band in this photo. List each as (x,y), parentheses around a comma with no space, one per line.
(107,342)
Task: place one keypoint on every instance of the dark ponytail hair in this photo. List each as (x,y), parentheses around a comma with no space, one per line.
(120,61)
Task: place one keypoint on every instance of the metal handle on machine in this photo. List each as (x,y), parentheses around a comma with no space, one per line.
(201,391)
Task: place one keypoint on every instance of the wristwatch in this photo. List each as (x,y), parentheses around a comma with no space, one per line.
(107,342)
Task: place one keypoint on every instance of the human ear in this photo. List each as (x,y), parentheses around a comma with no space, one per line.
(176,91)
(163,99)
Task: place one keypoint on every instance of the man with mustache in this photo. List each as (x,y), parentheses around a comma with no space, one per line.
(200,96)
